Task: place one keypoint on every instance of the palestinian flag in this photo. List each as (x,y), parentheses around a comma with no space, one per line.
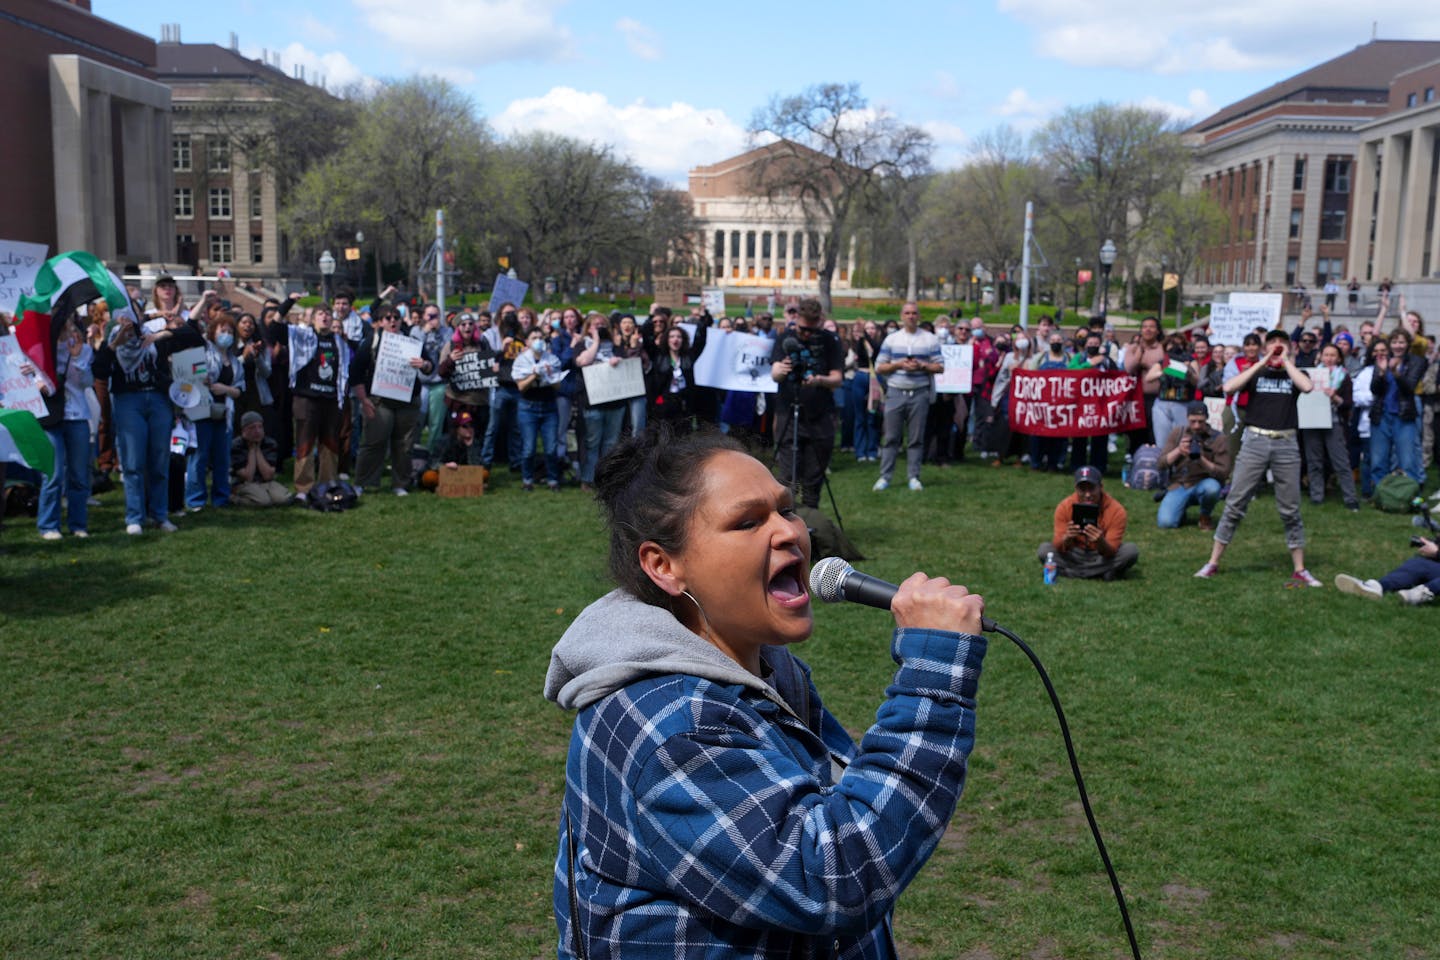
(66,282)
(22,441)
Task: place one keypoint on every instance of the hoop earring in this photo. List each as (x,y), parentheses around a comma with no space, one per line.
(704,620)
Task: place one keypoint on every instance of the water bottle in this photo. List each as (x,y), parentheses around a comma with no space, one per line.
(1050,569)
(1125,471)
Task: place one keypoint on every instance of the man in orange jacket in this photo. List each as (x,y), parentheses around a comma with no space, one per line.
(1090,532)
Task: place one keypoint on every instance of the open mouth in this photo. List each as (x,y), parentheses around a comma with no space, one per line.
(787,585)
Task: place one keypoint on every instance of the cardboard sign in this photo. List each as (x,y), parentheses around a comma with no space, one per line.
(394,378)
(17,390)
(506,290)
(959,368)
(736,361)
(19,262)
(1230,322)
(604,383)
(462,481)
(1313,410)
(189,366)
(1075,403)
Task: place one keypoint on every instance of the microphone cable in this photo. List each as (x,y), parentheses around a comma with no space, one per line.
(990,625)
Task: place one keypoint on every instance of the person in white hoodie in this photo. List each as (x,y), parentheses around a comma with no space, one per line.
(711,800)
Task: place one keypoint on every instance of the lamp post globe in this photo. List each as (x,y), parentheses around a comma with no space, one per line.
(327,270)
(1107,260)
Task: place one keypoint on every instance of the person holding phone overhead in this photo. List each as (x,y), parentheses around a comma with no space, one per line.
(1089,537)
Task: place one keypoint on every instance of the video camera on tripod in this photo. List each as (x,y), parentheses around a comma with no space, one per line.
(803,360)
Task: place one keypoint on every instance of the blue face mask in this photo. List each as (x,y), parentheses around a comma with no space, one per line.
(225,340)
(554,324)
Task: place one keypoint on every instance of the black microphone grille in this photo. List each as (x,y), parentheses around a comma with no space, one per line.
(827,577)
(791,345)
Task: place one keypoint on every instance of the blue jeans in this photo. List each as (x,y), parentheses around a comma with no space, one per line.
(867,437)
(71,440)
(142,427)
(637,414)
(602,432)
(212,453)
(1177,501)
(538,417)
(1412,573)
(502,417)
(1391,435)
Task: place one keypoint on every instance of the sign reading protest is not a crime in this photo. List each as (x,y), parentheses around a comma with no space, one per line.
(1075,403)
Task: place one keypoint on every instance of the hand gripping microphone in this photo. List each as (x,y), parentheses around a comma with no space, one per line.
(833,580)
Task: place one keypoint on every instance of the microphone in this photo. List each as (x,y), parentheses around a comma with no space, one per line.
(790,345)
(833,580)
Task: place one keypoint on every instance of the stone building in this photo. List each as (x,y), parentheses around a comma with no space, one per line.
(1282,163)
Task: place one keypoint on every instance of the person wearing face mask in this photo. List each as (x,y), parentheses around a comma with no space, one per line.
(1046,453)
(1092,451)
(213,422)
(536,371)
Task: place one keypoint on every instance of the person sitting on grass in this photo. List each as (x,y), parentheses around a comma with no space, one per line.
(1417,580)
(254,459)
(1090,532)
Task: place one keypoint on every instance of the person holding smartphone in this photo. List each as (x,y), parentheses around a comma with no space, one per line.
(1089,539)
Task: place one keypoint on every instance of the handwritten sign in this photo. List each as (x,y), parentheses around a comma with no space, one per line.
(1313,409)
(604,383)
(713,300)
(17,391)
(1075,403)
(19,262)
(736,361)
(507,289)
(189,366)
(1230,323)
(959,368)
(1271,303)
(462,481)
(394,378)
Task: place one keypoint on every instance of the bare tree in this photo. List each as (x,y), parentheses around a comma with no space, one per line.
(830,157)
(1183,225)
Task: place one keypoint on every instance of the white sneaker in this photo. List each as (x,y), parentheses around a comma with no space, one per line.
(1356,587)
(80,534)
(134,529)
(401,492)
(168,527)
(915,484)
(1415,596)
(881,484)
(51,535)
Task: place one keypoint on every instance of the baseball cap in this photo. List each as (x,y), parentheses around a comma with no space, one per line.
(1197,408)
(1087,475)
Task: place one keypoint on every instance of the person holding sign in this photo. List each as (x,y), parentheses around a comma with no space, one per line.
(1271,424)
(536,371)
(387,389)
(909,359)
(1322,443)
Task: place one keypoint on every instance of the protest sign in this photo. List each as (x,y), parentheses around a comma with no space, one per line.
(1075,403)
(1215,413)
(507,289)
(17,390)
(189,366)
(1271,303)
(959,366)
(394,378)
(19,262)
(1313,409)
(713,300)
(604,383)
(461,481)
(736,361)
(1230,323)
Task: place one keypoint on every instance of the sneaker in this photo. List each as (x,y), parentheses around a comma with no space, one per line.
(167,527)
(80,534)
(554,487)
(194,509)
(401,492)
(93,502)
(881,484)
(51,535)
(134,529)
(1206,524)
(1353,506)
(1415,596)
(1356,587)
(1207,571)
(915,484)
(1303,578)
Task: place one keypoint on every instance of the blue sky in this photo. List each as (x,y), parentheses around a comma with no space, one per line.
(673,85)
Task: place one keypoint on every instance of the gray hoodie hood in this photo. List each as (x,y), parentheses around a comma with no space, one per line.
(619,639)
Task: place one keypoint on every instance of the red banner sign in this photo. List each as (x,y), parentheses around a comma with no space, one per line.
(1075,403)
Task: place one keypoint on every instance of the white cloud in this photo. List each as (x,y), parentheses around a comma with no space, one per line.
(336,69)
(1024,112)
(642,41)
(664,140)
(951,143)
(317,31)
(466,31)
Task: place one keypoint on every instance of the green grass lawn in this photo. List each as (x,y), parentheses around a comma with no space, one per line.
(297,735)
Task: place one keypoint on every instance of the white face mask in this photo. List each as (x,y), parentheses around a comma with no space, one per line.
(1022,344)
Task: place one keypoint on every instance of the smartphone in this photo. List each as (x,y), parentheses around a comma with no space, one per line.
(1084,514)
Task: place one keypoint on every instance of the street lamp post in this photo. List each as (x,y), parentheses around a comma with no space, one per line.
(1107,260)
(327,270)
(1164,263)
(359,259)
(1077,286)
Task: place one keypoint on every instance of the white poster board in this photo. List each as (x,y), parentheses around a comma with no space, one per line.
(1215,413)
(959,368)
(19,262)
(1229,322)
(1271,303)
(17,390)
(736,361)
(604,383)
(394,378)
(507,289)
(1313,409)
(189,366)
(713,300)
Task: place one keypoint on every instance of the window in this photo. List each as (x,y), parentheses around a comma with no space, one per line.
(1327,268)
(180,154)
(257,210)
(257,248)
(221,250)
(220,203)
(218,153)
(1295,218)
(1411,100)
(184,246)
(1299,183)
(184,203)
(1292,266)
(1337,176)
(1429,94)
(1332,223)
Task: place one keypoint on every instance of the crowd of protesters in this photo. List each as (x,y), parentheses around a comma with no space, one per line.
(293,387)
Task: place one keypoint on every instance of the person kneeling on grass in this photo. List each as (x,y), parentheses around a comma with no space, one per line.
(1090,532)
(1417,580)
(253,461)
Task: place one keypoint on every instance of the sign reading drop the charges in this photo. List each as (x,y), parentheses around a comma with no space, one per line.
(1075,403)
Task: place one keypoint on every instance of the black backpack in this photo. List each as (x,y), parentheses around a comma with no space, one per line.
(332,496)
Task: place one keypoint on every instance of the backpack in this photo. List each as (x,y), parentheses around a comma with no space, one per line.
(1395,493)
(1145,469)
(332,496)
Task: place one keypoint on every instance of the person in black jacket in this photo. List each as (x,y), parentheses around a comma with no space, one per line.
(670,384)
(388,421)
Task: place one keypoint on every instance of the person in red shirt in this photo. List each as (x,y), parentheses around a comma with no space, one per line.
(1092,546)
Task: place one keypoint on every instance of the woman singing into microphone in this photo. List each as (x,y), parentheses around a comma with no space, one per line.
(713,806)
